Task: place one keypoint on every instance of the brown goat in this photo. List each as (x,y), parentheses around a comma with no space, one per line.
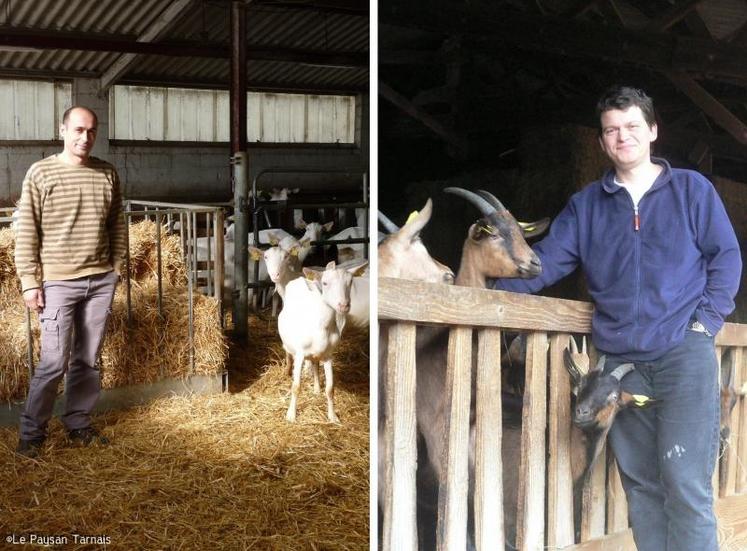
(494,247)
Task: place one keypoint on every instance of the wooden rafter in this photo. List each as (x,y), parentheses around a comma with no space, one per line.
(449,135)
(710,105)
(672,16)
(576,38)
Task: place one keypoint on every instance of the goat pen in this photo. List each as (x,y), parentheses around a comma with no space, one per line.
(545,516)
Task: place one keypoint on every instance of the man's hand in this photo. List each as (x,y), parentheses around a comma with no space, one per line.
(34,299)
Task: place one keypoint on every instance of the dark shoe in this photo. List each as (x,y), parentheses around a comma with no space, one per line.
(29,448)
(86,436)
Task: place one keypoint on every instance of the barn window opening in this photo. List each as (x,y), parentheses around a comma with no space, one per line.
(32,109)
(192,115)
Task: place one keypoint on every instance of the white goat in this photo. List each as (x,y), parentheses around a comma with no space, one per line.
(310,325)
(279,264)
(282,194)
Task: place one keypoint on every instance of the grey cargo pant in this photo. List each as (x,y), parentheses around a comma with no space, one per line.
(73,323)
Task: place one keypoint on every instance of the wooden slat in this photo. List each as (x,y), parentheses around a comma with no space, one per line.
(593,501)
(729,486)
(530,518)
(488,436)
(732,334)
(454,305)
(617,504)
(559,480)
(402,422)
(740,427)
(452,494)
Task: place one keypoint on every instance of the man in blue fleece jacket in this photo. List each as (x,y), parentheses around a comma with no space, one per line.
(662,266)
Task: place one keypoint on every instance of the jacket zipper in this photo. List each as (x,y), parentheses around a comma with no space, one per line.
(637,256)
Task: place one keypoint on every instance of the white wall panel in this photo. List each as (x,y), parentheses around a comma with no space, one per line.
(33,108)
(203,116)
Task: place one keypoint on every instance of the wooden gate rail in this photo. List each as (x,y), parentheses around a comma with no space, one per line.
(544,516)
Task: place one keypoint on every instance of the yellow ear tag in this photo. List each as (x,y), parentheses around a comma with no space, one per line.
(641,400)
(529,228)
(412,216)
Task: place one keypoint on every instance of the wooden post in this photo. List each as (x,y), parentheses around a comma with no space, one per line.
(593,500)
(729,486)
(739,427)
(559,478)
(452,493)
(530,518)
(401,504)
(617,504)
(489,532)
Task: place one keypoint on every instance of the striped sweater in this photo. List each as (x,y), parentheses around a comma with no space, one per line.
(70,222)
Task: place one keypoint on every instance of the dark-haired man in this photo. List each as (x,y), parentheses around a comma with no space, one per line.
(662,265)
(70,240)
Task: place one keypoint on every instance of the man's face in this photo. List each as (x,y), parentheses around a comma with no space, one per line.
(626,137)
(79,133)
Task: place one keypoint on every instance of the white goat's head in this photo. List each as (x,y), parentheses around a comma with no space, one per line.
(403,255)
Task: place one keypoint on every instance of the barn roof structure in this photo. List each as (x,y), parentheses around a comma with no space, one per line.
(470,75)
(316,46)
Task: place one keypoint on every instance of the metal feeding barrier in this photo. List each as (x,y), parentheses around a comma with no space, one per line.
(164,215)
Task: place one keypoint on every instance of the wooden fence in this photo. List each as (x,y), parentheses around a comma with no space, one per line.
(545,504)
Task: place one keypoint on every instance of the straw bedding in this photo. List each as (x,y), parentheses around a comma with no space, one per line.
(146,351)
(212,472)
(201,472)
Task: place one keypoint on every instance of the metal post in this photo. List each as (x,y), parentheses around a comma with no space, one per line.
(365,226)
(241,253)
(239,163)
(159,277)
(210,260)
(219,259)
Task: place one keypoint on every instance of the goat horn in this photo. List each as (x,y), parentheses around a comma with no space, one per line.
(492,199)
(622,370)
(483,206)
(389,226)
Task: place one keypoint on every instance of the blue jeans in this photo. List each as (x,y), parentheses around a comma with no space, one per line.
(666,454)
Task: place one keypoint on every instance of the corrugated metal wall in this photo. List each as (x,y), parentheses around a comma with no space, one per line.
(32,110)
(176,114)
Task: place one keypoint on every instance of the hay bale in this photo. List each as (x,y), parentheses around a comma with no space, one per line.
(144,352)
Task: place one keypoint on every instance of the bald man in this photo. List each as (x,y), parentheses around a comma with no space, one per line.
(69,247)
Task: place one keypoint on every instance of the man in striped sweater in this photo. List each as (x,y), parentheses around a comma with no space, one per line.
(70,241)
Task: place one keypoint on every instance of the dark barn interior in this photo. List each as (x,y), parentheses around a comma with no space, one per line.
(500,95)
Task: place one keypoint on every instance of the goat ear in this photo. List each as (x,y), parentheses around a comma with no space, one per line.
(273,239)
(358,271)
(476,232)
(533,229)
(301,224)
(311,274)
(572,369)
(328,226)
(255,253)
(330,265)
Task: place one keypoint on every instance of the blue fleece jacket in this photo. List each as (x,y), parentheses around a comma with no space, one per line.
(682,261)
